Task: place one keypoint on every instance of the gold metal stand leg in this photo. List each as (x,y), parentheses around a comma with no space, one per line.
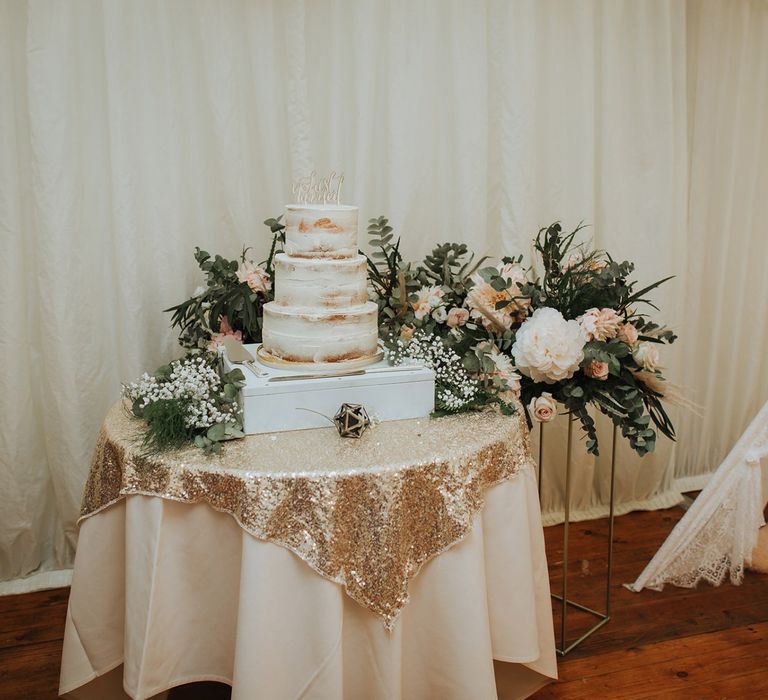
(610,526)
(541,456)
(566,523)
(562,649)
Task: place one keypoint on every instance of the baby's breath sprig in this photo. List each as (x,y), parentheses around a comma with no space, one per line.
(455,389)
(186,400)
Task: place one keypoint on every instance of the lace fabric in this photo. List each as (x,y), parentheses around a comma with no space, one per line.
(715,538)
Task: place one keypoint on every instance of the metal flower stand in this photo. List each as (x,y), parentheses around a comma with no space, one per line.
(562,646)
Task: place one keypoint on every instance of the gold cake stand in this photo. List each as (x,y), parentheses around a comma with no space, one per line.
(270,360)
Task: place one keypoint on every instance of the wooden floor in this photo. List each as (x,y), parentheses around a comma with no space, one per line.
(706,643)
(709,643)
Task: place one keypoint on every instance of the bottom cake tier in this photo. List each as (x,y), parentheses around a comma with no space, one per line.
(300,335)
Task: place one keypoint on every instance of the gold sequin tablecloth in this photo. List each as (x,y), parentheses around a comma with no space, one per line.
(366,513)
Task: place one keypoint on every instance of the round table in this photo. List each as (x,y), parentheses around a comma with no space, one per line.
(407,564)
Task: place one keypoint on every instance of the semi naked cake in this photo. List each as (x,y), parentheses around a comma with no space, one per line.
(321,311)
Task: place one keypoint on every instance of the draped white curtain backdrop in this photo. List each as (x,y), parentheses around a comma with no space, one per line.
(132,131)
(726,287)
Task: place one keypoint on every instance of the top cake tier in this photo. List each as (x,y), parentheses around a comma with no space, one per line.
(320,231)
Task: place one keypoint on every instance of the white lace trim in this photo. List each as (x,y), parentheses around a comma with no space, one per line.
(722,546)
(715,538)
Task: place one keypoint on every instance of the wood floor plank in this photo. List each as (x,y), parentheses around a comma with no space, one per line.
(30,671)
(637,616)
(673,669)
(30,618)
(740,641)
(752,685)
(659,616)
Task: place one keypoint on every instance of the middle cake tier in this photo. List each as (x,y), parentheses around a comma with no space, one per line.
(320,284)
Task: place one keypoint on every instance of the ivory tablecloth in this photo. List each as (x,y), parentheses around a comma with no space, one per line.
(166,593)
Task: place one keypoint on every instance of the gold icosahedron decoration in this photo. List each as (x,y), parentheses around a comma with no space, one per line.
(351,420)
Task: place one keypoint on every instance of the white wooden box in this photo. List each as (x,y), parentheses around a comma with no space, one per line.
(387,393)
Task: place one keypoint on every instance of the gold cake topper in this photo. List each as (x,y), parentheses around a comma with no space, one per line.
(311,190)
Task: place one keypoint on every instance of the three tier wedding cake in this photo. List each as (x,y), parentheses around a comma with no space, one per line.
(321,311)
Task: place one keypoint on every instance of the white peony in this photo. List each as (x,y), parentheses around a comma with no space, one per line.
(547,347)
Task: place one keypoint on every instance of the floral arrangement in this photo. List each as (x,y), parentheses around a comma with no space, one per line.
(566,330)
(230,303)
(188,400)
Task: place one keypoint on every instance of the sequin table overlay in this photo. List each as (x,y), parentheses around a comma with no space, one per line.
(364,513)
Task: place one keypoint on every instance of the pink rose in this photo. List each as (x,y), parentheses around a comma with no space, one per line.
(256,277)
(628,333)
(224,330)
(406,332)
(543,408)
(457,317)
(597,370)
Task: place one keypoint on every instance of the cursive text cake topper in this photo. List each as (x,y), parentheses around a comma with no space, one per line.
(311,190)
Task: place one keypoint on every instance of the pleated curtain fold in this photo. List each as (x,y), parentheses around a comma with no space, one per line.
(132,132)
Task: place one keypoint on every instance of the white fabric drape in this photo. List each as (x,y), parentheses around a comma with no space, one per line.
(131,132)
(716,536)
(726,289)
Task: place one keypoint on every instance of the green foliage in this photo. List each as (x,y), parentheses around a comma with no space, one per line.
(387,275)
(277,229)
(225,299)
(592,279)
(166,425)
(629,403)
(210,441)
(451,266)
